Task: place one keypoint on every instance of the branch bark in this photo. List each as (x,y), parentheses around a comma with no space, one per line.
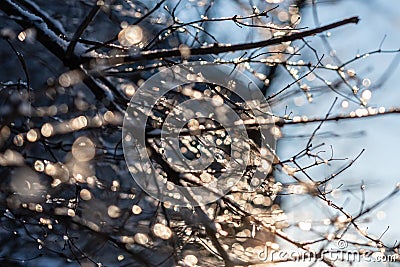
(223,48)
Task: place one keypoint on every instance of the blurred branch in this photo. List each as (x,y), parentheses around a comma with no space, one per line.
(55,44)
(88,19)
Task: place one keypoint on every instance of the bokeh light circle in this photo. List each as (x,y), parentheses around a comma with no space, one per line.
(148,162)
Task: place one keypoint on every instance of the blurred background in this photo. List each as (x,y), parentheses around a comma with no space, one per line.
(373,176)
